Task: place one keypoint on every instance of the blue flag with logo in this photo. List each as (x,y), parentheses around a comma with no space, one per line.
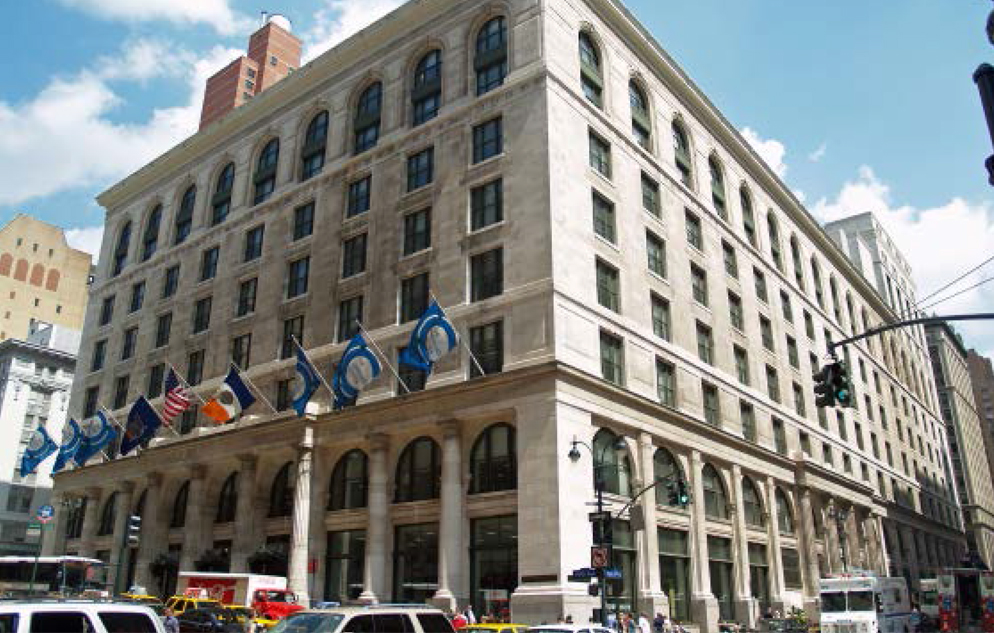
(40,446)
(357,368)
(309,382)
(72,437)
(432,338)
(96,433)
(143,423)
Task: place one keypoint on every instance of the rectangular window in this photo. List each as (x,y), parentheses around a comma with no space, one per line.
(748,415)
(660,317)
(409,377)
(766,331)
(354,256)
(413,297)
(487,345)
(799,405)
(107,310)
(665,382)
(293,329)
(488,140)
(170,282)
(99,352)
(253,242)
(297,274)
(417,231)
(195,367)
(137,296)
(809,325)
(699,284)
(612,359)
(731,260)
(650,195)
(805,440)
(130,340)
(246,296)
(772,384)
(420,169)
(843,429)
(303,221)
(858,431)
(875,445)
(608,286)
(656,252)
(826,454)
(741,364)
(792,355)
(695,234)
(600,155)
(202,315)
(779,437)
(163,328)
(349,316)
(788,312)
(712,409)
(121,391)
(284,394)
(761,291)
(735,311)
(604,218)
(486,274)
(705,343)
(487,204)
(208,263)
(241,351)
(155,378)
(358,199)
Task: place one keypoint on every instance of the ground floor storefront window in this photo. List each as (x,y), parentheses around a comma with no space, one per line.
(674,572)
(622,594)
(494,564)
(344,564)
(720,563)
(415,562)
(759,576)
(791,568)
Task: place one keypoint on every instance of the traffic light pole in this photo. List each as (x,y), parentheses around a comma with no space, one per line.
(986,316)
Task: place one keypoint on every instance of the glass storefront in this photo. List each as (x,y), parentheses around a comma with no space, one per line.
(493,564)
(720,563)
(415,562)
(759,576)
(674,571)
(344,564)
(622,594)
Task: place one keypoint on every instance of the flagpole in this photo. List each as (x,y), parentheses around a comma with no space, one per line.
(258,391)
(112,418)
(187,384)
(462,339)
(313,364)
(385,359)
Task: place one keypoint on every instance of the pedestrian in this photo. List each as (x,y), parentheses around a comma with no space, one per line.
(644,626)
(915,620)
(459,621)
(470,616)
(569,619)
(170,622)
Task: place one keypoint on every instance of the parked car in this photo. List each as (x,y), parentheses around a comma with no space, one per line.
(77,616)
(181,604)
(371,619)
(213,621)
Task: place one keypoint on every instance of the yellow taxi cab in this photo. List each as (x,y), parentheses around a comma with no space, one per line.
(179,604)
(261,623)
(495,627)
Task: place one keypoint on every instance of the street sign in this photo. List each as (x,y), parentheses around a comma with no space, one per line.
(599,516)
(598,557)
(612,574)
(33,532)
(45,513)
(584,572)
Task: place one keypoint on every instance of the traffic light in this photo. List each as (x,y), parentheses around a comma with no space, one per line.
(134,529)
(842,385)
(603,532)
(678,494)
(824,389)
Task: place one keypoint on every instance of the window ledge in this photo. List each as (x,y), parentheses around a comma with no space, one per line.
(496,158)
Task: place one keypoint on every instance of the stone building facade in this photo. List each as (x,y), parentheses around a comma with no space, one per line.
(982,378)
(621,262)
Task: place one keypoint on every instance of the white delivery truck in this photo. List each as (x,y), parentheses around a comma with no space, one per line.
(266,595)
(864,604)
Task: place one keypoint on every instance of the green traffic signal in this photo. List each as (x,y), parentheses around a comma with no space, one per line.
(842,385)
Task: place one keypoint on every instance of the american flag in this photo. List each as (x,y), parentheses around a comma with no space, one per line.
(178,398)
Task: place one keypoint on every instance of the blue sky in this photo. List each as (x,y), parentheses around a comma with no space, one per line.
(858,105)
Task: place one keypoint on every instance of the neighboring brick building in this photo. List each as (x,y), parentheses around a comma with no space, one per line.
(982,377)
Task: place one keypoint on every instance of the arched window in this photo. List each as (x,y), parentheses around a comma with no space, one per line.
(490,61)
(107,516)
(717,187)
(419,471)
(184,219)
(6,263)
(150,240)
(349,482)
(641,120)
(795,256)
(774,230)
(590,71)
(852,313)
(665,469)
(614,470)
(281,493)
(265,171)
(785,516)
(836,307)
(21,270)
(37,275)
(715,495)
(121,249)
(178,517)
(221,202)
(74,520)
(315,141)
(816,281)
(752,507)
(681,151)
(52,281)
(367,118)
(748,218)
(227,500)
(426,90)
(493,460)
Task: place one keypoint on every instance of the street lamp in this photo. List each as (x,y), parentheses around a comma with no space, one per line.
(620,447)
(840,517)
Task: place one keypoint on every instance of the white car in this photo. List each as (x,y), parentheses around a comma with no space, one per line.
(77,616)
(371,619)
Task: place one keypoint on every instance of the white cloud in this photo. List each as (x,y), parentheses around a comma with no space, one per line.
(338,19)
(144,59)
(216,13)
(86,239)
(771,151)
(819,153)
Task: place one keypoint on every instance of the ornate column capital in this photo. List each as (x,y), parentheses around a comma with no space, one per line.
(94,492)
(307,441)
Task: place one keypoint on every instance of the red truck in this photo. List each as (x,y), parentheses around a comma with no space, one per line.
(266,595)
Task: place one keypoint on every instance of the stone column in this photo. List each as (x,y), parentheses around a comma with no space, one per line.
(154,531)
(651,596)
(118,548)
(450,544)
(193,537)
(773,552)
(243,544)
(91,516)
(833,544)
(300,530)
(884,561)
(745,603)
(809,552)
(893,536)
(704,606)
(375,573)
(54,535)
(854,546)
(910,557)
